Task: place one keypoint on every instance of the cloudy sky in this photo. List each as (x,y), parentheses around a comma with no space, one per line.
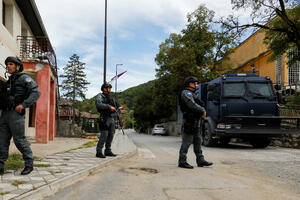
(135,30)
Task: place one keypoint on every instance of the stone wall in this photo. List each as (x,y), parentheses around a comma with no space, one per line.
(172,128)
(289,141)
(65,128)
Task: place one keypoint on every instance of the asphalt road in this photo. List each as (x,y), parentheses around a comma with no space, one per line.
(239,172)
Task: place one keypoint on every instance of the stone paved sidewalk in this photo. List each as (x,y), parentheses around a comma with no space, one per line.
(60,170)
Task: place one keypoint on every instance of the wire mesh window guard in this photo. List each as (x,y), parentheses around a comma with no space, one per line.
(294,70)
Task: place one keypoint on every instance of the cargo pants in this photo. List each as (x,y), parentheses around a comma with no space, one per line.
(12,125)
(190,135)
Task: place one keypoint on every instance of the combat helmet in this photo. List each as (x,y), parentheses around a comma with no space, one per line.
(190,79)
(105,85)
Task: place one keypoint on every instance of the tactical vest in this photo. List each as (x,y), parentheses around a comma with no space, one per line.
(106,100)
(188,113)
(15,92)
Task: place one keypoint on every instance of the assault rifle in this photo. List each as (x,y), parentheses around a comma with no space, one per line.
(118,114)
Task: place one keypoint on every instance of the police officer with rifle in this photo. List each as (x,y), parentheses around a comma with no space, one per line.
(108,109)
(193,112)
(18,93)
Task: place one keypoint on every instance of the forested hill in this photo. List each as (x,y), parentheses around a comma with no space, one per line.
(124,98)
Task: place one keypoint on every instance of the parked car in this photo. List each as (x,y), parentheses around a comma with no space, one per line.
(159,129)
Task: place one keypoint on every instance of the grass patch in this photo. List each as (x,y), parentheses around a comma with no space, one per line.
(85,145)
(37,158)
(14,162)
(66,159)
(42,165)
(55,172)
(4,193)
(17,182)
(90,144)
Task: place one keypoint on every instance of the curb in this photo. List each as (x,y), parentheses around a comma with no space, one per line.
(52,188)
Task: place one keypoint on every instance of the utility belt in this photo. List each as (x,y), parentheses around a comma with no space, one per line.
(10,104)
(7,103)
(191,123)
(190,119)
(191,116)
(105,116)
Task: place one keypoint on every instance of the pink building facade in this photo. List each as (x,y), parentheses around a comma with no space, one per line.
(42,116)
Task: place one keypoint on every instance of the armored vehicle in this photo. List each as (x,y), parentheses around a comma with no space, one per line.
(243,106)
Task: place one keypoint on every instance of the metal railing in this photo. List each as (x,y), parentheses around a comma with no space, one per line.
(290,110)
(37,48)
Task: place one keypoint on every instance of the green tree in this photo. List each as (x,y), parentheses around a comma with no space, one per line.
(279,18)
(128,118)
(143,110)
(74,84)
(195,52)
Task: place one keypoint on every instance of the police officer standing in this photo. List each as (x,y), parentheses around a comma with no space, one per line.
(107,108)
(190,105)
(18,93)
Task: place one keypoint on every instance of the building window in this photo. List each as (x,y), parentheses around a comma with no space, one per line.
(294,70)
(7,16)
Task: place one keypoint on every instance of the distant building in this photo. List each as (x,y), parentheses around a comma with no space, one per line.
(23,34)
(252,56)
(72,122)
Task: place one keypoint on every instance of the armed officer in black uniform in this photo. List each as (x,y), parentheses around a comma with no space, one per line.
(190,105)
(18,93)
(107,108)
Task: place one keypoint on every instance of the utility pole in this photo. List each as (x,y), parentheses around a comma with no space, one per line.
(105,43)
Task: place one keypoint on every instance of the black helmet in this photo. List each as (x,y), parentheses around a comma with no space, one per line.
(190,79)
(15,60)
(105,85)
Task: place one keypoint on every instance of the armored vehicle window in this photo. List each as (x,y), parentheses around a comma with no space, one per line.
(260,89)
(234,89)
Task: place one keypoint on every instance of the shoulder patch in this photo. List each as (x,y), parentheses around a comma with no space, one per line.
(189,93)
(28,80)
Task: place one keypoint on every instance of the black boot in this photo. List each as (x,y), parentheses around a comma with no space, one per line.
(27,170)
(111,154)
(1,171)
(185,165)
(204,163)
(100,155)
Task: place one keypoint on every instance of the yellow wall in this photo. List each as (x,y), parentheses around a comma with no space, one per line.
(254,51)
(263,67)
(247,50)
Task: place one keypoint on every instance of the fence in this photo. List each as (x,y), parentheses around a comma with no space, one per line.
(37,48)
(290,110)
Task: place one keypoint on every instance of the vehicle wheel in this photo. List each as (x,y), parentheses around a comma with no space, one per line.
(260,142)
(207,139)
(224,141)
